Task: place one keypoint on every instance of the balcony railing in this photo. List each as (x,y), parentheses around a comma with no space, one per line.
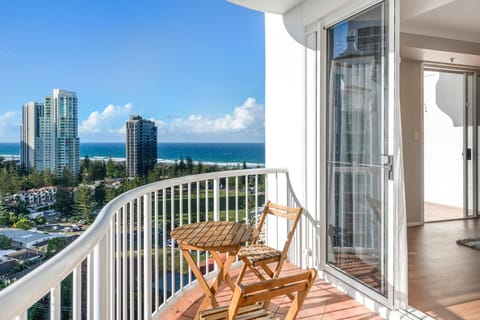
(125,266)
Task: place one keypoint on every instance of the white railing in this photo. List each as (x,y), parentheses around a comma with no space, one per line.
(125,266)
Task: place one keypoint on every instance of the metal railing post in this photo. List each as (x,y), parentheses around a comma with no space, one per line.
(100,303)
(147,256)
(216,200)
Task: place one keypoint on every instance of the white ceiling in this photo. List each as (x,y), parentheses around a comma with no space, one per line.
(452,19)
(443,31)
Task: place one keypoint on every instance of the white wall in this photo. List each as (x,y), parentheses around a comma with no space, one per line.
(443,138)
(411,104)
(284,101)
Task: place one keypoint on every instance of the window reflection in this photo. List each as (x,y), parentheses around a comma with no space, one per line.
(356,146)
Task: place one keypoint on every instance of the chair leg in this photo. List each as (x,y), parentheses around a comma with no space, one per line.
(242,273)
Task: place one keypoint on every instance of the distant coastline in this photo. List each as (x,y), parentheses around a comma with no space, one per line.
(223,154)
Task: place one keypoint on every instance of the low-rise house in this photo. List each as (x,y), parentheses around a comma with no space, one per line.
(24,255)
(37,196)
(28,239)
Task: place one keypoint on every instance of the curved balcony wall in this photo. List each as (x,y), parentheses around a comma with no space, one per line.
(125,266)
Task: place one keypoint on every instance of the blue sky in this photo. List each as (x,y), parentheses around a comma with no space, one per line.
(195,67)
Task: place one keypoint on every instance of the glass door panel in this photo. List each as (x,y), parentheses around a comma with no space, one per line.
(468,143)
(450,145)
(357,144)
(444,145)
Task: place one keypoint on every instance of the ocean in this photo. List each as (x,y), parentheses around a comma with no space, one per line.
(221,153)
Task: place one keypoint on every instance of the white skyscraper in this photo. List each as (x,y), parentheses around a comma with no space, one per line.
(64,108)
(30,145)
(55,128)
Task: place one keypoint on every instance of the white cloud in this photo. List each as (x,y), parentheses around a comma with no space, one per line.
(244,124)
(10,127)
(106,125)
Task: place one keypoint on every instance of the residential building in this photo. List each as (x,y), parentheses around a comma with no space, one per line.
(30,140)
(141,146)
(50,133)
(65,123)
(40,196)
(28,239)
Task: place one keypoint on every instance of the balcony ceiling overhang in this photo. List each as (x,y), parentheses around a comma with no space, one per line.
(441,30)
(271,6)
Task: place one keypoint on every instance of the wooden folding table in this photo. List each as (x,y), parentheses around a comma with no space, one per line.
(215,237)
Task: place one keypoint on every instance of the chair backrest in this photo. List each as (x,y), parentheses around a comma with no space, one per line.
(299,283)
(292,214)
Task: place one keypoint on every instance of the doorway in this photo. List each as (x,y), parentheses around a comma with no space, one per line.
(450,148)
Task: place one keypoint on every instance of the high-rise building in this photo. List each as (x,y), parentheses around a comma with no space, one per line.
(30,145)
(65,124)
(55,131)
(141,146)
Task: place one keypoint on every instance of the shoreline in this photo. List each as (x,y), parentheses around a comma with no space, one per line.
(12,157)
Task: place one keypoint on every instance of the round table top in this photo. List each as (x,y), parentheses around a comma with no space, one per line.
(213,235)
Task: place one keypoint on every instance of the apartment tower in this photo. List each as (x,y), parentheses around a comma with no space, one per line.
(51,130)
(141,146)
(30,145)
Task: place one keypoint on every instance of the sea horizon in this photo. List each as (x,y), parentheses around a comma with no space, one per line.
(222,153)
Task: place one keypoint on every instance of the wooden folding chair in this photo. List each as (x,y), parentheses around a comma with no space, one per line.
(246,301)
(256,256)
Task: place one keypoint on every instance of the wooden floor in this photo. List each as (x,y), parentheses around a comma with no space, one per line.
(323,302)
(436,212)
(444,278)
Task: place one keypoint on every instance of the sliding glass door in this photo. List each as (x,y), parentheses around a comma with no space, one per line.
(450,141)
(358,160)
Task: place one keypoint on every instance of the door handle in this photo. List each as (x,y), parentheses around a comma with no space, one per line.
(469,154)
(388,158)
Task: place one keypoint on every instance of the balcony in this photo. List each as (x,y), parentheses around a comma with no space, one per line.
(125,266)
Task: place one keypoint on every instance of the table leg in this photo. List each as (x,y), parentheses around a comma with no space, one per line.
(209,292)
(222,274)
(224,268)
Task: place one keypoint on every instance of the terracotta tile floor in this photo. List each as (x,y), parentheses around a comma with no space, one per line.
(323,302)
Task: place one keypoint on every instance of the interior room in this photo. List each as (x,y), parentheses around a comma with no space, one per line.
(439,97)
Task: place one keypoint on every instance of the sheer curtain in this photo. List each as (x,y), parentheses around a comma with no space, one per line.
(356,172)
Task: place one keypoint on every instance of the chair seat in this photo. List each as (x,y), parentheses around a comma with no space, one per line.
(254,311)
(259,252)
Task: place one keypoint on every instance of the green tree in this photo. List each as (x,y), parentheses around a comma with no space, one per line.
(48,178)
(6,282)
(100,194)
(23,223)
(199,168)
(131,183)
(20,207)
(5,242)
(40,220)
(182,168)
(110,193)
(55,245)
(4,219)
(12,218)
(67,179)
(84,203)
(189,165)
(37,178)
(4,215)
(110,168)
(85,163)
(97,170)
(64,201)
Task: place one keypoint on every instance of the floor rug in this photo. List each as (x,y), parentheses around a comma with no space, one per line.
(471,243)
